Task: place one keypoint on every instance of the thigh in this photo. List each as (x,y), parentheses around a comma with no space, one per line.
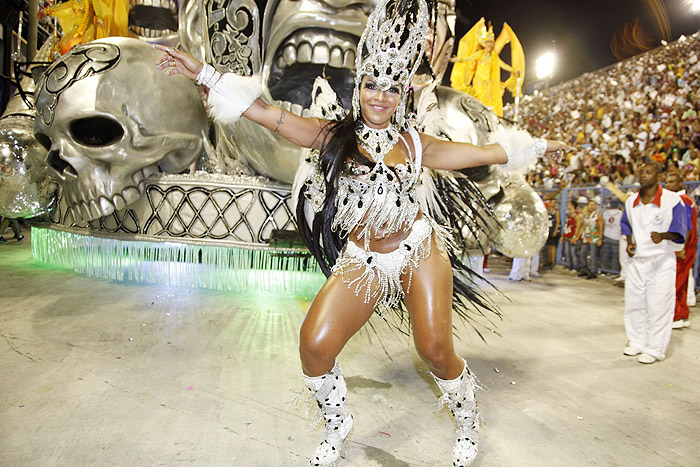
(635,285)
(661,280)
(334,316)
(429,299)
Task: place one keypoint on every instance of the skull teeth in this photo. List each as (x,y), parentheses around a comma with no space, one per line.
(130,194)
(99,206)
(143,174)
(154,33)
(296,109)
(106,206)
(137,177)
(118,201)
(84,211)
(334,49)
(151,33)
(168,4)
(328,49)
(94,210)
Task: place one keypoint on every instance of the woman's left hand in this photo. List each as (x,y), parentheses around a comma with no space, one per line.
(177,62)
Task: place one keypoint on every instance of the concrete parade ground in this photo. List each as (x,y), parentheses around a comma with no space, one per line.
(102,373)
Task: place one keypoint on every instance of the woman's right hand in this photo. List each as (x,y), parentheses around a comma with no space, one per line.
(177,62)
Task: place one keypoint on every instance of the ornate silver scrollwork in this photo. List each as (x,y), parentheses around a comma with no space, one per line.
(84,61)
(232,33)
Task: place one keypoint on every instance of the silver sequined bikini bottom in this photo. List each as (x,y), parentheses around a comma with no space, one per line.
(380,279)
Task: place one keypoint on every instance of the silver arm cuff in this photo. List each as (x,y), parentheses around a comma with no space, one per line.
(207,76)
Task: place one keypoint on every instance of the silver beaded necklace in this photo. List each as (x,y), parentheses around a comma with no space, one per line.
(378,142)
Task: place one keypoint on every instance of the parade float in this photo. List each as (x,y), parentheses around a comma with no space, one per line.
(125,178)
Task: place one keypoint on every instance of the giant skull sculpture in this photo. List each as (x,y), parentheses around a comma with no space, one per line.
(110,120)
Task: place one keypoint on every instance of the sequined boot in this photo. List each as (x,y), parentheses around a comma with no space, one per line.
(329,391)
(458,396)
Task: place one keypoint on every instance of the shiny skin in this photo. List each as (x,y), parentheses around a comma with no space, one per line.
(337,313)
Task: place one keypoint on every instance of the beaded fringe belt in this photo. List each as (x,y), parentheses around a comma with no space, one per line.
(381,276)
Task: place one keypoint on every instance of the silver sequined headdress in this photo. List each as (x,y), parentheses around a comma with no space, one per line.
(391,48)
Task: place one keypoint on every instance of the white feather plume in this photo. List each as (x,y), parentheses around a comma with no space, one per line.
(519,146)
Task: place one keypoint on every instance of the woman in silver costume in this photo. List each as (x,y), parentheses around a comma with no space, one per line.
(379,248)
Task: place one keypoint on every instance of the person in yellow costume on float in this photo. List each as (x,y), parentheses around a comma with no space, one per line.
(86,20)
(477,66)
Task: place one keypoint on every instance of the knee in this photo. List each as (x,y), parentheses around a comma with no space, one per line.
(315,349)
(436,353)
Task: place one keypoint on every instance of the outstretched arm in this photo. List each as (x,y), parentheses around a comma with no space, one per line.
(617,192)
(302,131)
(473,56)
(449,155)
(505,66)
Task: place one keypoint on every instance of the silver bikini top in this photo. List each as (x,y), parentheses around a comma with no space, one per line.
(381,200)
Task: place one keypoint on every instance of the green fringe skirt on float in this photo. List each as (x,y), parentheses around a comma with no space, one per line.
(180,264)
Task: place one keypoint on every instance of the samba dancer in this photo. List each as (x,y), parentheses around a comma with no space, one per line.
(371,237)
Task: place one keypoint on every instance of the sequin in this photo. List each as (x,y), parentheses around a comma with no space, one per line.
(378,198)
(380,279)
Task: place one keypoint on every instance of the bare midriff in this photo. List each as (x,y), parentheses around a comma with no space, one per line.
(380,242)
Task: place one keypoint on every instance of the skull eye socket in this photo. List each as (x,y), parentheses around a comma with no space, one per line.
(43,140)
(96,131)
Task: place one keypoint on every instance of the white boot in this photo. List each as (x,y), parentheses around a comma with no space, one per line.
(330,391)
(458,395)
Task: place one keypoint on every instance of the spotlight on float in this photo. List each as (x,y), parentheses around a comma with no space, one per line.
(545,66)
(694,5)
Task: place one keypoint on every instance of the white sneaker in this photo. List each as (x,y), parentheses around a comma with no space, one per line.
(620,279)
(631,351)
(678,324)
(686,323)
(646,358)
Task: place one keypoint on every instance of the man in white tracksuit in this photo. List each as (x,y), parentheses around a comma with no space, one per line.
(655,226)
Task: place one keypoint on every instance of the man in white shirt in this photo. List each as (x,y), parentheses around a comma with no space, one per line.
(654,222)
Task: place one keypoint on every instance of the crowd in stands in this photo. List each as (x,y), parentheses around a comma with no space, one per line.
(644,108)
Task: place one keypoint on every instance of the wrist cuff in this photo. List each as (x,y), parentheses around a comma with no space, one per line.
(207,76)
(521,148)
(231,95)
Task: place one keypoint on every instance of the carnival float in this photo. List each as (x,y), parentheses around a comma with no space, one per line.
(124,177)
